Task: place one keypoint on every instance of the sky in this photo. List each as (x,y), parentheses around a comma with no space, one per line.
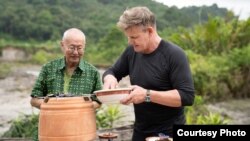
(239,7)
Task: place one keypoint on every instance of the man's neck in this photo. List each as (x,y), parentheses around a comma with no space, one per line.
(70,68)
(154,44)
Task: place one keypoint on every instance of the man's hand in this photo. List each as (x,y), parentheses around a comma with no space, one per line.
(110,82)
(35,102)
(136,96)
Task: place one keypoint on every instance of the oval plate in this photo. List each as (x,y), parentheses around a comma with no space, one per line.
(113,91)
(112,95)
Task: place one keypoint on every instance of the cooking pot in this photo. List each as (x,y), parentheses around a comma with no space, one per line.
(67,119)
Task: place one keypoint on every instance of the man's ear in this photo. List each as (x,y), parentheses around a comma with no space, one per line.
(150,29)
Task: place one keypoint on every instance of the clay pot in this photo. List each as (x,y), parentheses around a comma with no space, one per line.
(67,119)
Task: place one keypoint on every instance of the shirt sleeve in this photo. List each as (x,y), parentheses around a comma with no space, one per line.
(181,77)
(39,88)
(121,68)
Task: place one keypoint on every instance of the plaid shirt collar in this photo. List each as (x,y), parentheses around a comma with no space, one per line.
(62,65)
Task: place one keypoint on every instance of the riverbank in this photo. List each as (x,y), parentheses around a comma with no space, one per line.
(237,110)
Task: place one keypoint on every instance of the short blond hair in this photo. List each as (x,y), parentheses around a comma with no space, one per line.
(136,16)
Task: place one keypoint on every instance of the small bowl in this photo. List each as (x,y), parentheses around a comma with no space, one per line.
(158,139)
(112,95)
(107,135)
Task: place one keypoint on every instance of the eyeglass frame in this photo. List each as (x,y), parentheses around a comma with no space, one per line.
(72,48)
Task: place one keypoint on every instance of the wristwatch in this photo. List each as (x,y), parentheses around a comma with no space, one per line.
(147,98)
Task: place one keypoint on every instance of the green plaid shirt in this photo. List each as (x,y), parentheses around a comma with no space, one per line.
(85,79)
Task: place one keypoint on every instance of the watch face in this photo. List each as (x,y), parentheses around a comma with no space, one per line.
(147,99)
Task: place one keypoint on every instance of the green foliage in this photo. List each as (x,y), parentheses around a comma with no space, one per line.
(23,126)
(108,49)
(211,119)
(191,111)
(198,114)
(219,60)
(239,78)
(220,77)
(199,15)
(106,116)
(240,58)
(209,73)
(42,57)
(216,36)
(46,20)
(30,46)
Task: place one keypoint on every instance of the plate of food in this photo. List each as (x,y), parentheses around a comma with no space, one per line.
(112,95)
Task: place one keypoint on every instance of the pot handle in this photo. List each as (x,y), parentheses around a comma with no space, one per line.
(86,98)
(46,99)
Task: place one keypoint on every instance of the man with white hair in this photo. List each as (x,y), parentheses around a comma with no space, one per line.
(69,75)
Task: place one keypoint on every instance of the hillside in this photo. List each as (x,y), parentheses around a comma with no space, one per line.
(46,19)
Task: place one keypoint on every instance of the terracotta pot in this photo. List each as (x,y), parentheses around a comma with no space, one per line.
(67,119)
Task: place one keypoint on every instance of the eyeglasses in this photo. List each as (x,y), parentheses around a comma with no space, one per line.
(72,48)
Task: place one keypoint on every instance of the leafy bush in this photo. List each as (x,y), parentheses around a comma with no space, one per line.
(23,126)
(108,49)
(220,77)
(106,116)
(211,119)
(216,36)
(239,76)
(42,57)
(199,114)
(209,73)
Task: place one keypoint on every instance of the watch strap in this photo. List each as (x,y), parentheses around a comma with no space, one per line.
(147,98)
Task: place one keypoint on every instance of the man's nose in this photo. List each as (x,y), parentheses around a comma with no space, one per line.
(75,51)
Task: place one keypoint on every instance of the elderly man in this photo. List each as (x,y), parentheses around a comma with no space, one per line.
(68,75)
